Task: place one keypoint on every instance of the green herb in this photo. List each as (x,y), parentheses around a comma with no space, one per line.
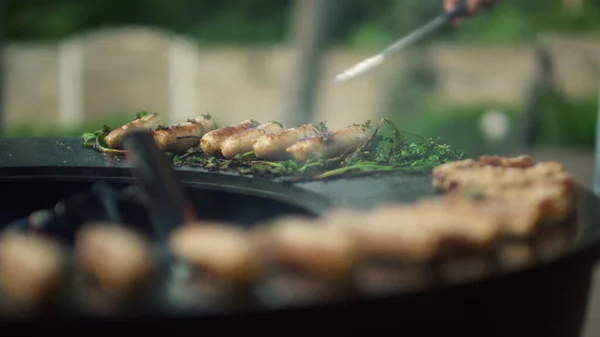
(90,139)
(404,151)
(322,126)
(177,160)
(276,122)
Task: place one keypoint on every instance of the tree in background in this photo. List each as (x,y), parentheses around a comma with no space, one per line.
(573,5)
(208,21)
(411,86)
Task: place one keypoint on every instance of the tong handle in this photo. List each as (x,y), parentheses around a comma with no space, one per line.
(167,204)
(108,198)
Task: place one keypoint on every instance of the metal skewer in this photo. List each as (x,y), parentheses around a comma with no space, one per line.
(370,63)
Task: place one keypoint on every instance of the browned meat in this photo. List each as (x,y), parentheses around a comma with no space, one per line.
(325,252)
(221,250)
(243,143)
(212,141)
(450,177)
(31,268)
(273,146)
(114,139)
(441,173)
(423,231)
(167,138)
(514,255)
(516,162)
(521,211)
(330,145)
(117,258)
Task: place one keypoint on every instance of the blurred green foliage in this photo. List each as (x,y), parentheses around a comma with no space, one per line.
(49,130)
(359,23)
(207,20)
(568,122)
(565,123)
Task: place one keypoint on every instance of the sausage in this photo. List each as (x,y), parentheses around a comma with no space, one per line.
(242,143)
(514,255)
(114,139)
(222,250)
(396,236)
(117,258)
(325,252)
(273,146)
(31,267)
(211,141)
(167,141)
(330,145)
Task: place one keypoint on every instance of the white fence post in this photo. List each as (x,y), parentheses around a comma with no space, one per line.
(183,72)
(70,77)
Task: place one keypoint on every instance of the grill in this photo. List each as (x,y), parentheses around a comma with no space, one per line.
(37,174)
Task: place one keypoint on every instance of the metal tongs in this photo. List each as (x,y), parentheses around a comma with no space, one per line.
(166,202)
(434,25)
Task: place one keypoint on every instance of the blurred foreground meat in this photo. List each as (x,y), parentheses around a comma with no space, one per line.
(497,172)
(31,268)
(496,214)
(117,259)
(308,247)
(221,251)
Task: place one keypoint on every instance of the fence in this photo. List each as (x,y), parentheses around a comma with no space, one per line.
(135,68)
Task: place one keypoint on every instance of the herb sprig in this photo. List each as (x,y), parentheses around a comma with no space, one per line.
(90,139)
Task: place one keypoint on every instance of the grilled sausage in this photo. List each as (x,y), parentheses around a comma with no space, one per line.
(114,139)
(30,269)
(329,145)
(242,143)
(167,138)
(117,258)
(223,251)
(211,142)
(273,146)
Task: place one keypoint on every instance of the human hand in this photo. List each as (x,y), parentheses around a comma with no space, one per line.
(473,6)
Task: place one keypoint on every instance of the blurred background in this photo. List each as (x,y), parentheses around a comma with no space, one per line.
(521,77)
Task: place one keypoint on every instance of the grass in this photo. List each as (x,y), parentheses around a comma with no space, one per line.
(569,123)
(566,123)
(27,130)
